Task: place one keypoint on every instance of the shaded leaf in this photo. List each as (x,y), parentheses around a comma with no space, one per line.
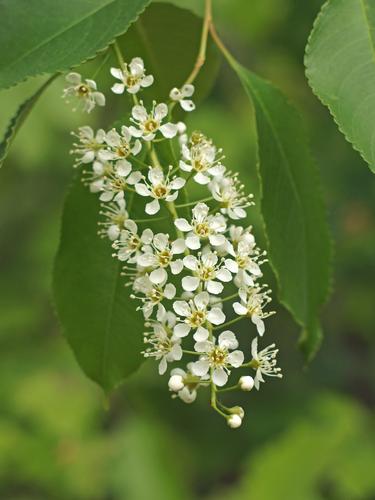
(98,317)
(292,208)
(18,119)
(168,39)
(340,67)
(39,37)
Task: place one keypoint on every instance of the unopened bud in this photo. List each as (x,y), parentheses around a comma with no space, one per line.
(234,421)
(176,383)
(246,383)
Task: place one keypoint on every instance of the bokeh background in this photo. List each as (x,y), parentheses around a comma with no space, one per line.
(310,436)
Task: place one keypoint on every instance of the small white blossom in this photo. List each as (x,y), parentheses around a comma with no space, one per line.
(86,92)
(115,183)
(90,146)
(207,270)
(180,95)
(164,346)
(196,314)
(159,187)
(229,192)
(115,215)
(253,301)
(218,357)
(147,124)
(133,77)
(119,146)
(159,254)
(153,293)
(246,383)
(264,362)
(130,242)
(203,227)
(201,157)
(190,383)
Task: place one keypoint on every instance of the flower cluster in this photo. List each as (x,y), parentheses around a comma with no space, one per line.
(193,269)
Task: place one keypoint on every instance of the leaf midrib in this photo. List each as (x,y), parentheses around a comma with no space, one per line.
(368,27)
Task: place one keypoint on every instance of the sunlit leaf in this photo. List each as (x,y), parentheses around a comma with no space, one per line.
(340,67)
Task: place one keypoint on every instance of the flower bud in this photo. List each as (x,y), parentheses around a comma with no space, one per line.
(246,383)
(176,383)
(234,421)
(237,410)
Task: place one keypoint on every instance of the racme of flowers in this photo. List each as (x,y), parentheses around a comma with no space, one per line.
(194,268)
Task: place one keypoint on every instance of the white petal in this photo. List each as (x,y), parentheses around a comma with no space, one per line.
(200,368)
(139,113)
(187,105)
(118,88)
(259,324)
(217,239)
(158,276)
(236,358)
(161,111)
(117,73)
(201,334)
(178,246)
(181,330)
(123,168)
(153,207)
(201,300)
(169,291)
(142,189)
(181,308)
(216,316)
(193,242)
(239,309)
(214,287)
(187,90)
(182,225)
(228,339)
(219,377)
(201,178)
(74,78)
(191,262)
(177,183)
(176,266)
(162,366)
(168,130)
(231,265)
(189,283)
(147,81)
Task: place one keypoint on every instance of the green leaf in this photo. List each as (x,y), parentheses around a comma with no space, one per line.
(340,67)
(98,317)
(18,119)
(292,208)
(168,39)
(40,36)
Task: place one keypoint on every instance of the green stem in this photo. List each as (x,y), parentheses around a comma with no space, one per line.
(231,322)
(183,205)
(119,55)
(190,352)
(233,296)
(227,389)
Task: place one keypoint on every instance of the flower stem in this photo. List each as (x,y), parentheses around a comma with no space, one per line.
(183,205)
(117,50)
(231,322)
(227,389)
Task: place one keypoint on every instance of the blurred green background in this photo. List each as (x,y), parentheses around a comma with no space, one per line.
(310,436)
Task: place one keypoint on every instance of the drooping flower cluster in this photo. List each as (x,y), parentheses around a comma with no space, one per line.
(193,269)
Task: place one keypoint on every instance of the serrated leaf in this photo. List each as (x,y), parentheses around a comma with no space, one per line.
(292,208)
(167,38)
(98,317)
(18,119)
(38,36)
(340,67)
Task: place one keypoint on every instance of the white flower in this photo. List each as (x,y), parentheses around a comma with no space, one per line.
(164,345)
(202,227)
(132,77)
(85,92)
(207,270)
(201,157)
(264,362)
(253,300)
(159,254)
(159,187)
(119,146)
(115,183)
(229,192)
(116,215)
(90,145)
(246,263)
(218,358)
(179,95)
(154,293)
(190,383)
(147,124)
(196,315)
(130,242)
